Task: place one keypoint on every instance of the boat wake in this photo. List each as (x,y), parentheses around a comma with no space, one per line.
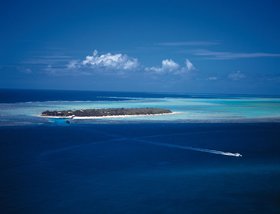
(217,152)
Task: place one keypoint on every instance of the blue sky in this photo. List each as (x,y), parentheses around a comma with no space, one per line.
(152,46)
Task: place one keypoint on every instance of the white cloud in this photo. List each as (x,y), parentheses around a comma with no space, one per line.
(212,78)
(122,64)
(109,61)
(189,65)
(236,76)
(73,64)
(170,66)
(222,55)
(188,43)
(167,65)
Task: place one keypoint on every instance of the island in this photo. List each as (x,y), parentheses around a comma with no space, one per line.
(106,112)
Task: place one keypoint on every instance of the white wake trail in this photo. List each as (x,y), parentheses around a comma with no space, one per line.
(217,152)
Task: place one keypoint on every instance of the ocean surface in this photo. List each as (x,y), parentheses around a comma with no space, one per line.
(216,154)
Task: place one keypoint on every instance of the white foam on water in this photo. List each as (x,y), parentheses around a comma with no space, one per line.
(217,152)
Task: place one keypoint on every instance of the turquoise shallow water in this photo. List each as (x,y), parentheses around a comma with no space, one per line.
(185,109)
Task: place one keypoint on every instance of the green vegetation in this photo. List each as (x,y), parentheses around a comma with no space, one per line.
(106,112)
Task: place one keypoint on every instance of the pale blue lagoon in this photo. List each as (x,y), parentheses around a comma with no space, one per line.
(184,109)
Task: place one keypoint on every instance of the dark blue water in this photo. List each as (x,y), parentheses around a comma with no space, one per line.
(116,168)
(17,95)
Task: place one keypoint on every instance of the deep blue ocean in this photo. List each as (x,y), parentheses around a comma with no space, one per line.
(127,167)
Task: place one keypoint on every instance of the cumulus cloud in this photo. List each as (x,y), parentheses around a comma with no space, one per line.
(167,65)
(236,76)
(170,66)
(123,64)
(109,61)
(106,61)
